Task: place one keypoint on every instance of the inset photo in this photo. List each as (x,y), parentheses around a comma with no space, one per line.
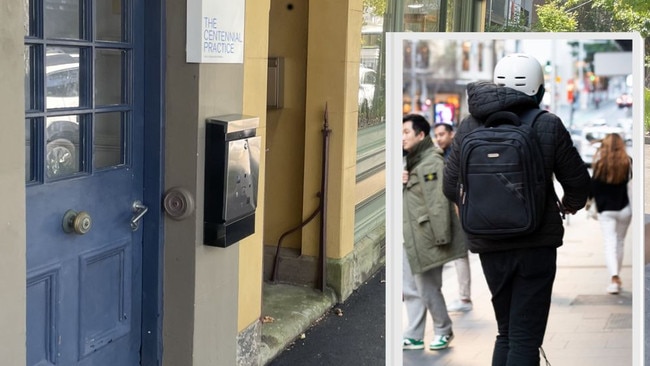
(515,165)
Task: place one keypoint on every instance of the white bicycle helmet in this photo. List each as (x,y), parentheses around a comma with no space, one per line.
(521,72)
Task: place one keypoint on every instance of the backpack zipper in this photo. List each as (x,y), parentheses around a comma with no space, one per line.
(462,194)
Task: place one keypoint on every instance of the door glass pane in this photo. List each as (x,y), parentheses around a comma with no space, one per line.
(29,173)
(61,19)
(29,79)
(62,79)
(63,150)
(108,149)
(108,83)
(27,18)
(109,21)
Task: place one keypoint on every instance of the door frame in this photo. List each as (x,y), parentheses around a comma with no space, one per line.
(153,179)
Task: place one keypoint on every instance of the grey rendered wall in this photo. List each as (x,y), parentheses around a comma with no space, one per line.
(12,185)
(200,282)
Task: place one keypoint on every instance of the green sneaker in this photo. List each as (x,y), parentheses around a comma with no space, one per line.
(410,343)
(441,342)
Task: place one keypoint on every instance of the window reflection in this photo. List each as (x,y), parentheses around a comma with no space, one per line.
(62,135)
(27,24)
(61,19)
(109,20)
(29,82)
(62,79)
(370,97)
(108,147)
(108,77)
(29,173)
(422,15)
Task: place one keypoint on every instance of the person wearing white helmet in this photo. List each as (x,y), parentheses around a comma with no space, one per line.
(520,270)
(521,72)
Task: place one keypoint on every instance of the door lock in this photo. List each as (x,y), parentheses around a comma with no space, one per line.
(139,209)
(76,222)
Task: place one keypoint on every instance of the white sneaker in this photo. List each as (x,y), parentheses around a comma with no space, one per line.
(441,342)
(459,306)
(613,288)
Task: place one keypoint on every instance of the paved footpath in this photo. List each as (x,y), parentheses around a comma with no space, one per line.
(587,326)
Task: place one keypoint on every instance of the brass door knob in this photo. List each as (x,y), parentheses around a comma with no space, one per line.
(76,222)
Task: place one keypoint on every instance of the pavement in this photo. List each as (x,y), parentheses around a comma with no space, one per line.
(587,326)
(351,333)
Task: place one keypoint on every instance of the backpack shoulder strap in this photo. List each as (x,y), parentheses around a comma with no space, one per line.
(530,116)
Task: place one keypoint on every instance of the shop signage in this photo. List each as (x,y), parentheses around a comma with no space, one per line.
(215,31)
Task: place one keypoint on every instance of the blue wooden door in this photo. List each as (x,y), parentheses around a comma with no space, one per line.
(84,139)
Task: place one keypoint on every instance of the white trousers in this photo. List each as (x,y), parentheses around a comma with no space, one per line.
(464,277)
(614,225)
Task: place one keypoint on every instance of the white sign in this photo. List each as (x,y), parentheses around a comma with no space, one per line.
(215,31)
(613,63)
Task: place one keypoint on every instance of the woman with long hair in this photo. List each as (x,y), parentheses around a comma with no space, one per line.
(612,170)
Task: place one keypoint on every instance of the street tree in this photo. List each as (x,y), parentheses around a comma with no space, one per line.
(555,16)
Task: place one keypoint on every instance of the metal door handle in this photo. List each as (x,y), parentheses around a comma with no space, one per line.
(76,222)
(139,209)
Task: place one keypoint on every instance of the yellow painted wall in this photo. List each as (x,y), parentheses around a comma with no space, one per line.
(287,34)
(327,68)
(254,102)
(330,70)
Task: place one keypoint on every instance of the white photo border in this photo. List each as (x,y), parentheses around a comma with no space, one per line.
(394,83)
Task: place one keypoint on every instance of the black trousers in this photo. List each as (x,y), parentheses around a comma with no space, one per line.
(521,283)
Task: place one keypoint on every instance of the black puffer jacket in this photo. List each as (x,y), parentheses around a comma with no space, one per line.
(560,158)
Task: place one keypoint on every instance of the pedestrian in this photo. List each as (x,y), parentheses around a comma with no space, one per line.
(520,270)
(444,134)
(612,170)
(432,236)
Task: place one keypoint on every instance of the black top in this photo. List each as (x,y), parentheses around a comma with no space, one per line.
(609,197)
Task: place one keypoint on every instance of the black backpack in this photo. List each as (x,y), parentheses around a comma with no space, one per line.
(502,187)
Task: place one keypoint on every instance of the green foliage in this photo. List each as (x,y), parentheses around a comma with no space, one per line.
(593,48)
(507,28)
(598,16)
(629,15)
(555,17)
(377,6)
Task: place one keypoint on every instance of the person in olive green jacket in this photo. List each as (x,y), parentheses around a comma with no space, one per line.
(432,236)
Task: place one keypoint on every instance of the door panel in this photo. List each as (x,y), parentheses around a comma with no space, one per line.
(84,135)
(84,291)
(42,308)
(104,316)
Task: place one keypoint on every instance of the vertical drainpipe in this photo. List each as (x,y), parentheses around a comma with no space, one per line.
(323,200)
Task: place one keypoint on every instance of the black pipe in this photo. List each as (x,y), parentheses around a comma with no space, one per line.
(274,274)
